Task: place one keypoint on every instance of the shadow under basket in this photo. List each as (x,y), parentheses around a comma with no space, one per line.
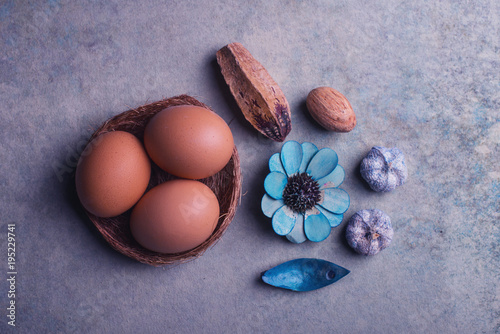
(226,185)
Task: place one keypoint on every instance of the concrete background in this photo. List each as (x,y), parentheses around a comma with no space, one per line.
(420,75)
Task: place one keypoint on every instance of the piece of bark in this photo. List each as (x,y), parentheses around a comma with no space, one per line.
(255,91)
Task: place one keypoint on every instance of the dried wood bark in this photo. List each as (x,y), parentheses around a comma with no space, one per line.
(255,91)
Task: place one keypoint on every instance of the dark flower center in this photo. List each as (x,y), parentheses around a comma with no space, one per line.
(301,192)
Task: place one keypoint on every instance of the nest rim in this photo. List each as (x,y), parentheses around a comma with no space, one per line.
(226,185)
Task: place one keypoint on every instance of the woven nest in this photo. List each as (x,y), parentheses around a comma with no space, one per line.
(226,185)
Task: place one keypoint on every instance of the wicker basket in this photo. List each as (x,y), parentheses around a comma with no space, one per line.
(226,185)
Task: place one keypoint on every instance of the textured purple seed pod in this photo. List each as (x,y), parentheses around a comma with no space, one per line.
(384,168)
(369,231)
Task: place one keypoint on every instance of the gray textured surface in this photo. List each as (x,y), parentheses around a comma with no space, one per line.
(420,75)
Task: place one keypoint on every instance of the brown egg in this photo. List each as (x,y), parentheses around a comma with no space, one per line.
(175,216)
(188,141)
(112,173)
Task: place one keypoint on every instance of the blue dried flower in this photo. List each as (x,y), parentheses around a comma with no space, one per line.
(369,231)
(384,168)
(302,195)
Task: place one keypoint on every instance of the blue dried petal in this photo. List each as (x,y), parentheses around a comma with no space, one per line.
(297,235)
(274,184)
(332,180)
(275,164)
(333,218)
(304,274)
(384,169)
(308,152)
(335,200)
(284,220)
(323,163)
(270,205)
(317,227)
(291,157)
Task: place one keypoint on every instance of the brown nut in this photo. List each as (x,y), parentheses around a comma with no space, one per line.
(331,109)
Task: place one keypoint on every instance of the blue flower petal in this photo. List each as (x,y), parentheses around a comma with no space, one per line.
(270,205)
(274,184)
(275,164)
(297,235)
(284,220)
(291,157)
(335,200)
(308,151)
(332,180)
(316,227)
(323,163)
(333,218)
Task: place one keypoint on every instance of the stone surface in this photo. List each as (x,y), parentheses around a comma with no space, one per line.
(421,75)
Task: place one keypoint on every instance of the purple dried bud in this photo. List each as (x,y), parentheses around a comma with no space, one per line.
(384,169)
(369,231)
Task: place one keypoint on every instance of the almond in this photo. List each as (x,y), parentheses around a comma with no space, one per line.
(331,109)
